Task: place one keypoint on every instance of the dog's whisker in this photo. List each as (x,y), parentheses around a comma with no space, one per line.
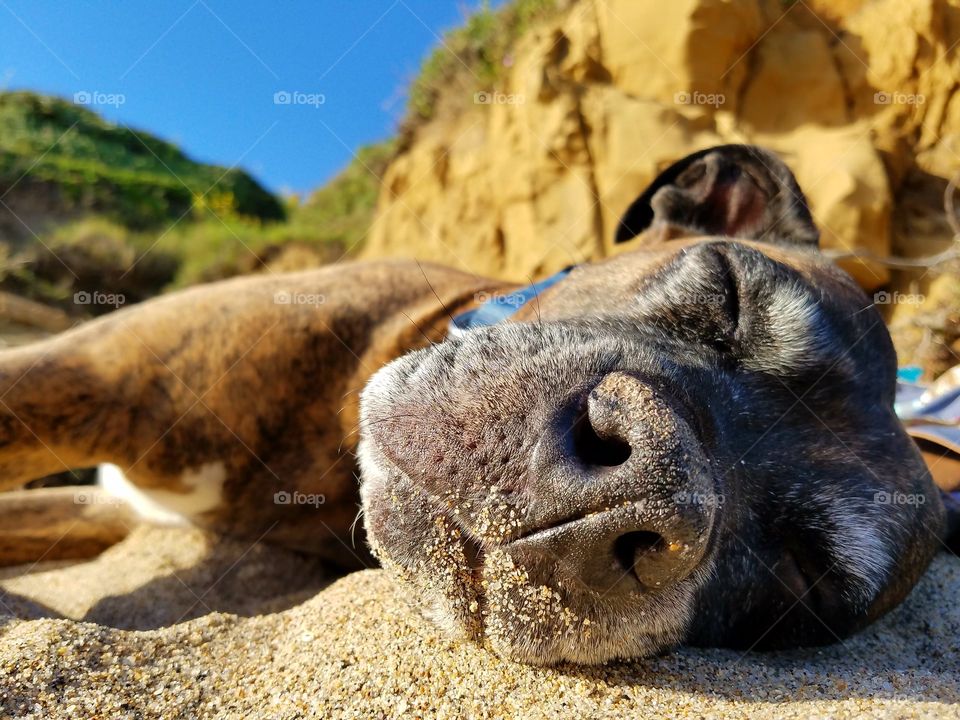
(419,329)
(436,295)
(353,525)
(536,295)
(363,424)
(356,390)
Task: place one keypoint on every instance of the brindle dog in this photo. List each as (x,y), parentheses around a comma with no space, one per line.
(690,442)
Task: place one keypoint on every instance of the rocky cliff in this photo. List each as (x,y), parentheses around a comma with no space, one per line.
(531,175)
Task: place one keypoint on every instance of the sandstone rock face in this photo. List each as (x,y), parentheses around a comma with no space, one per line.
(857,96)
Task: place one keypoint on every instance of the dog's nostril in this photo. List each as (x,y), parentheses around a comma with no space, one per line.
(591,449)
(631,548)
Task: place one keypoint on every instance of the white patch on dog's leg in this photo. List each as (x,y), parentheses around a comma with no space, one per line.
(205,493)
(113,481)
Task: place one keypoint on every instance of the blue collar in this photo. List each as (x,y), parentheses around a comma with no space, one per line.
(498,307)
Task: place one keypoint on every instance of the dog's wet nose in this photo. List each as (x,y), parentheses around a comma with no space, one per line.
(612,487)
(635,469)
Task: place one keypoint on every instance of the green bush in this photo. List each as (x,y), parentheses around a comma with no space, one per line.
(92,255)
(132,177)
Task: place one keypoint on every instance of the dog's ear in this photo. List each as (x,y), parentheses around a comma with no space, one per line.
(732,190)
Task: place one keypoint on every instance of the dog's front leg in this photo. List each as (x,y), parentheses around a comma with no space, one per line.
(233,404)
(56,409)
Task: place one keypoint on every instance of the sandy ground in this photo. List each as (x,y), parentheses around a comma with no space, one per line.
(263,643)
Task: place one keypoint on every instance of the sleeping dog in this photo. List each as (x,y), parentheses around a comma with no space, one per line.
(690,442)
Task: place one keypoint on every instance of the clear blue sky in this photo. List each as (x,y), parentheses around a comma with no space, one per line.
(203,73)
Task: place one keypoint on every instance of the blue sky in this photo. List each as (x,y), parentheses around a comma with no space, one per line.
(203,73)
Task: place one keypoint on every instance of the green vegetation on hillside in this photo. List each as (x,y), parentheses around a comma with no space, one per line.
(342,210)
(471,58)
(329,225)
(124,222)
(95,253)
(129,176)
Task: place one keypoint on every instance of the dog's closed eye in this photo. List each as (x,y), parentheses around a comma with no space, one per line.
(747,310)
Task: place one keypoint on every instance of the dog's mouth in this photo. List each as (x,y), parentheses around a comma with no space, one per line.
(632,551)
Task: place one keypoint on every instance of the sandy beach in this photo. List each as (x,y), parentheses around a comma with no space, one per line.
(171,624)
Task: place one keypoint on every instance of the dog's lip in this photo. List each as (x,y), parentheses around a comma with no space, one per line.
(570,522)
(540,537)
